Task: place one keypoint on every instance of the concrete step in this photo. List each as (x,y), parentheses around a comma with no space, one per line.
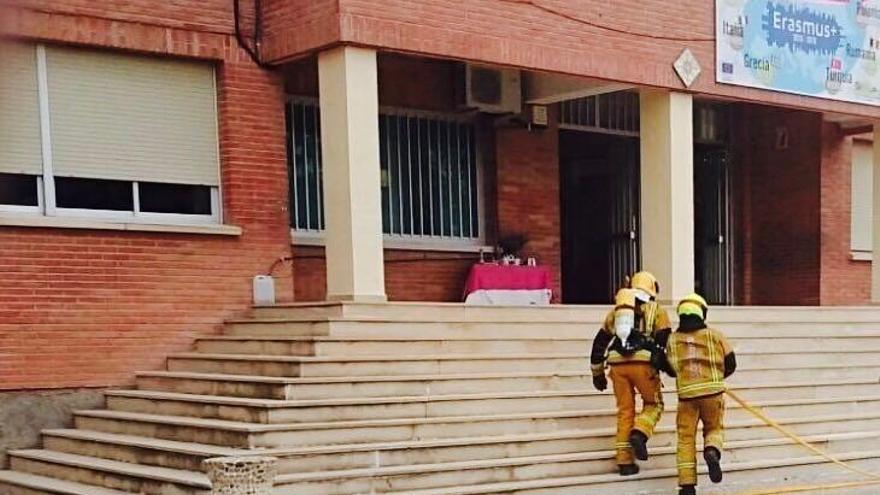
(353,456)
(304,366)
(275,411)
(517,469)
(149,480)
(20,483)
(378,346)
(249,435)
(501,329)
(417,311)
(786,359)
(359,386)
(137,450)
(755,367)
(738,476)
(333,346)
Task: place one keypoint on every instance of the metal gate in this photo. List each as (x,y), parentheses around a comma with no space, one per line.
(713,239)
(615,114)
(624,255)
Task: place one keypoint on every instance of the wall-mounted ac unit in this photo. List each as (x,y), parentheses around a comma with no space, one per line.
(493,90)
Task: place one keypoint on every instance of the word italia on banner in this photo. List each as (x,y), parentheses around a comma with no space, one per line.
(822,48)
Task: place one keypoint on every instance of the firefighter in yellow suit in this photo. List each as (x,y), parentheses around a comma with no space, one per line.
(630,337)
(700,358)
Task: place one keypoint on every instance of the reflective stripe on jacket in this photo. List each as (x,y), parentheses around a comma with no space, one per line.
(698,360)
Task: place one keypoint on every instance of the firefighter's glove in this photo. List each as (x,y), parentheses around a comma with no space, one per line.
(600,382)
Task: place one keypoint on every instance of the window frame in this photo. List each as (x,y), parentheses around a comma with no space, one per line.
(860,252)
(314,237)
(46,194)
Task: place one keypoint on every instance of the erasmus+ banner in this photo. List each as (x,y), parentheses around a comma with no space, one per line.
(822,48)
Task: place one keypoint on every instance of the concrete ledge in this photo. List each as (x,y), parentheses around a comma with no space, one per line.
(97,224)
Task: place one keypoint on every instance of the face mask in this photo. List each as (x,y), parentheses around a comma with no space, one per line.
(624,322)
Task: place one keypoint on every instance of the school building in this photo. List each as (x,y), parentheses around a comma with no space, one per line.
(156,156)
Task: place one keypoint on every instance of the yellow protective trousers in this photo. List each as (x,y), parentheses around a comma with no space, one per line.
(709,410)
(629,378)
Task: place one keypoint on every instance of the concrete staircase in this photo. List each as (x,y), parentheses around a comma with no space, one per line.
(433,399)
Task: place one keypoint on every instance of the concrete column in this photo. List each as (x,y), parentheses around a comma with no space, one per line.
(348,86)
(667,190)
(875,222)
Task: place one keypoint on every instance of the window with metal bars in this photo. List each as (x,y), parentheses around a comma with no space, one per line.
(609,113)
(429,171)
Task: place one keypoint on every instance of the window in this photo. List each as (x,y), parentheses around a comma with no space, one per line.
(862,202)
(109,135)
(609,113)
(429,173)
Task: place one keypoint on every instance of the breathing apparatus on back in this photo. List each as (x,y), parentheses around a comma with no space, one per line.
(628,339)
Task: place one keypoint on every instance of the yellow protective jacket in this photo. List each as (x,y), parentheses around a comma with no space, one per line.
(653,320)
(699,359)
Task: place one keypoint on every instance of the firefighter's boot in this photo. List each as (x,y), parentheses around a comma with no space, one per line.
(628,469)
(713,461)
(687,490)
(639,443)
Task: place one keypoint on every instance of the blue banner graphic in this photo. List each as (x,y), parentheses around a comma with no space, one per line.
(822,48)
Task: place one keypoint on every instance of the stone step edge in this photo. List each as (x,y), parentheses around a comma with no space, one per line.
(256,428)
(199,480)
(278,403)
(290,380)
(544,459)
(379,339)
(594,319)
(374,358)
(53,485)
(511,487)
(169,475)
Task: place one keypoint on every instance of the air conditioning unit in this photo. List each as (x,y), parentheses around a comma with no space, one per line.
(493,90)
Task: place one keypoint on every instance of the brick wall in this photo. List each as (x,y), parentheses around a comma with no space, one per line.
(562,36)
(780,208)
(527,182)
(843,280)
(409,275)
(87,308)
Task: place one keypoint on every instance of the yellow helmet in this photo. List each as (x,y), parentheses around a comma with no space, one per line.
(625,298)
(693,304)
(645,282)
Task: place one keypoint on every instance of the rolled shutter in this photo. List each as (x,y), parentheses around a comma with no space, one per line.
(862,206)
(20,142)
(130,117)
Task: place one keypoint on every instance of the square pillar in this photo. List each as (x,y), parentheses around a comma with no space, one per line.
(348,86)
(875,222)
(667,190)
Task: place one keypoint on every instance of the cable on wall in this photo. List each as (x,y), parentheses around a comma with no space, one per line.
(550,10)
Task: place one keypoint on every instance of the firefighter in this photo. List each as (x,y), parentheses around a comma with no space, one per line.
(701,358)
(628,343)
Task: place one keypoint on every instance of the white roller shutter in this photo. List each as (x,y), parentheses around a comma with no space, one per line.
(862,183)
(131,117)
(20,143)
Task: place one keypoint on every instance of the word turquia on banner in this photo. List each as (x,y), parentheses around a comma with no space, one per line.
(822,48)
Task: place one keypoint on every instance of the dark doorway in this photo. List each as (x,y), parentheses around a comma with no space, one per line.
(712,223)
(600,214)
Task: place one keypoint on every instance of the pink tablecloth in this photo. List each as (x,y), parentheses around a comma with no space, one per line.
(501,277)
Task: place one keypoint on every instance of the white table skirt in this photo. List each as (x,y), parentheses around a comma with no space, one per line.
(540,297)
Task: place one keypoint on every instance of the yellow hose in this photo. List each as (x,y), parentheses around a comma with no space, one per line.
(874,478)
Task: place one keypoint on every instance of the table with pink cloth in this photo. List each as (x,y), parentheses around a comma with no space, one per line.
(511,285)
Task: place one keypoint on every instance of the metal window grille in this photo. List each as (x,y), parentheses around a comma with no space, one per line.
(609,113)
(429,171)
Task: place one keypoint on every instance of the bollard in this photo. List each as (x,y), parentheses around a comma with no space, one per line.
(241,475)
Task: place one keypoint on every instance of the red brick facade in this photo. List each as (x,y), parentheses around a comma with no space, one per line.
(844,281)
(85,308)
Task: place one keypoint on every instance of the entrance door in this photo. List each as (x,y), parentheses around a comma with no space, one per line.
(712,223)
(600,214)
